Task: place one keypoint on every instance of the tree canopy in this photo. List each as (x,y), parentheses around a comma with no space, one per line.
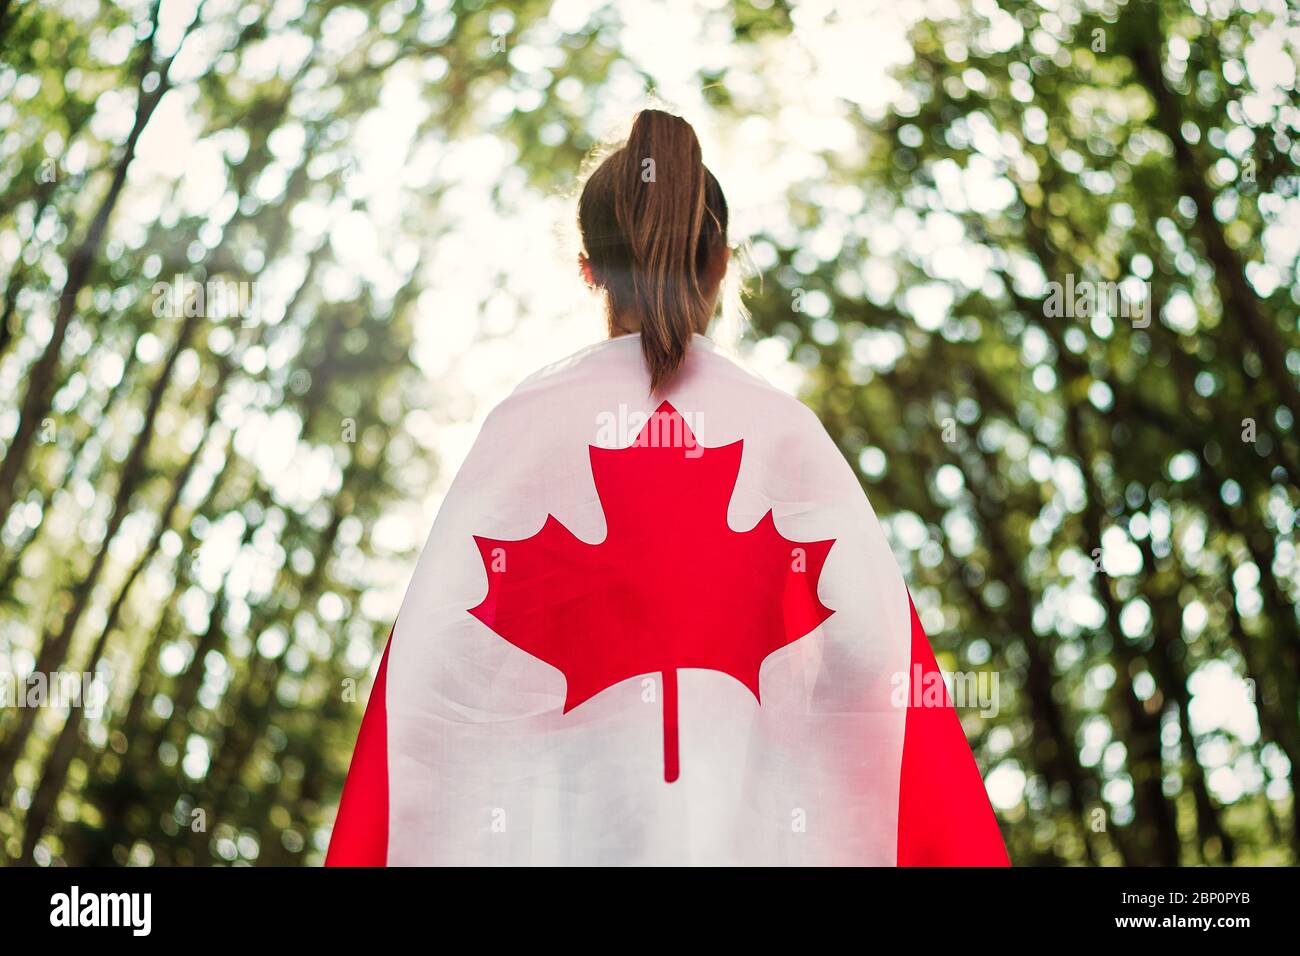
(263,264)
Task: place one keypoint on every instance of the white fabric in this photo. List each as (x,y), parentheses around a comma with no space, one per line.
(483,766)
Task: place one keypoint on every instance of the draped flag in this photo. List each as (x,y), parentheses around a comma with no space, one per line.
(658,632)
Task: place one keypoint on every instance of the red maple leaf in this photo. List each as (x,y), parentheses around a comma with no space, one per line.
(671,586)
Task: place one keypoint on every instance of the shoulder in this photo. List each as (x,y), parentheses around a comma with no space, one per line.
(568,386)
(750,386)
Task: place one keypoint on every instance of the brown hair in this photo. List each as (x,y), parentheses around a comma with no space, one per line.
(652,218)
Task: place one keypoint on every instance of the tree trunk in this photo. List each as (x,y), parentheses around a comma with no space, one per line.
(66,746)
(54,648)
(41,377)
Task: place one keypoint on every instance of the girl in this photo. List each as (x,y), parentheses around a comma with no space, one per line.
(657,621)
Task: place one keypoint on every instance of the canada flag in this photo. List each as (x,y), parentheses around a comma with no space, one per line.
(664,632)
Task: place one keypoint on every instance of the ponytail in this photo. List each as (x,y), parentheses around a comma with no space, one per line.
(652,219)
